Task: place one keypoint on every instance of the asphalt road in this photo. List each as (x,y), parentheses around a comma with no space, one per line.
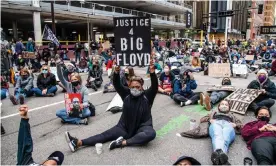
(168,119)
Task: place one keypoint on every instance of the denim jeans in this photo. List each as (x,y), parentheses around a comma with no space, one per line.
(77,56)
(222,134)
(3,93)
(19,91)
(217,96)
(63,115)
(38,92)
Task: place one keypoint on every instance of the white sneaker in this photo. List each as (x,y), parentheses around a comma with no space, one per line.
(188,102)
(182,104)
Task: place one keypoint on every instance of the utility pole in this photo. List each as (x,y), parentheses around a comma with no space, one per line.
(53,18)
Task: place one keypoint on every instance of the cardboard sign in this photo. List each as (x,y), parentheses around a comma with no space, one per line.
(133,40)
(221,88)
(249,57)
(239,69)
(70,100)
(241,99)
(54,71)
(219,70)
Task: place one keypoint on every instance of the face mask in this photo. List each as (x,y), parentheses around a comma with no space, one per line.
(226,83)
(44,71)
(75,83)
(166,70)
(264,118)
(223,109)
(135,92)
(262,78)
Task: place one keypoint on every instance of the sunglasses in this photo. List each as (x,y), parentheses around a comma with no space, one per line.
(45,69)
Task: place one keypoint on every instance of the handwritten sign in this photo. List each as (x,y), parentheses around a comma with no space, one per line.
(219,70)
(249,57)
(241,99)
(221,88)
(239,69)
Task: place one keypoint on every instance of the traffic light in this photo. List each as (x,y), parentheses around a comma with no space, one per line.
(227,13)
(260,9)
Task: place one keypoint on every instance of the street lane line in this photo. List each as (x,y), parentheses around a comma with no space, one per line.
(45,106)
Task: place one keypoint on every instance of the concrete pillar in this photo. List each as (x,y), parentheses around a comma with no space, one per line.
(92,33)
(14,28)
(37,24)
(194,14)
(37,28)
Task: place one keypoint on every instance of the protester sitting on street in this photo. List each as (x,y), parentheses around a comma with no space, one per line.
(157,66)
(36,66)
(23,88)
(75,86)
(4,88)
(83,65)
(25,144)
(268,88)
(260,136)
(127,75)
(46,83)
(166,79)
(94,79)
(30,47)
(64,55)
(222,132)
(196,63)
(272,72)
(46,55)
(20,62)
(186,161)
(182,89)
(218,93)
(135,125)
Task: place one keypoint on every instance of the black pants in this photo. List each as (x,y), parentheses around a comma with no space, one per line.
(272,73)
(264,150)
(194,98)
(256,104)
(143,135)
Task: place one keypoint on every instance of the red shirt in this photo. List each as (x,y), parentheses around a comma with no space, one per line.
(273,66)
(250,131)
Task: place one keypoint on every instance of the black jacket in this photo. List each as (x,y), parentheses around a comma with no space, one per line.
(269,87)
(136,110)
(44,83)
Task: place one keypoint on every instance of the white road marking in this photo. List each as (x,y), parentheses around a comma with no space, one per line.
(45,106)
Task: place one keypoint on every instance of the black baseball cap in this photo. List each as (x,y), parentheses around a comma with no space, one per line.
(191,159)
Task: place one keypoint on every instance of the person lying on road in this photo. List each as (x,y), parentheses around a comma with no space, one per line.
(25,144)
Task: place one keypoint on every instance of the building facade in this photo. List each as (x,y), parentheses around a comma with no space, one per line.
(269,12)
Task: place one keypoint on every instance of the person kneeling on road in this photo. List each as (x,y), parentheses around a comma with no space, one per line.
(25,143)
(23,87)
(218,93)
(166,79)
(222,132)
(46,83)
(94,79)
(182,89)
(264,84)
(75,86)
(260,136)
(135,125)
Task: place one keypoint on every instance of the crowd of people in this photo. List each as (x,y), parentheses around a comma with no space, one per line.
(135,124)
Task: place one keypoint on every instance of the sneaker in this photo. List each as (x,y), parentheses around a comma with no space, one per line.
(116,143)
(202,98)
(72,141)
(21,99)
(84,121)
(207,103)
(223,158)
(13,100)
(50,95)
(215,158)
(182,104)
(188,102)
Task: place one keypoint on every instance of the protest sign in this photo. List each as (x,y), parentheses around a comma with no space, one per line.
(241,99)
(219,70)
(249,57)
(221,88)
(239,69)
(72,99)
(133,40)
(54,71)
